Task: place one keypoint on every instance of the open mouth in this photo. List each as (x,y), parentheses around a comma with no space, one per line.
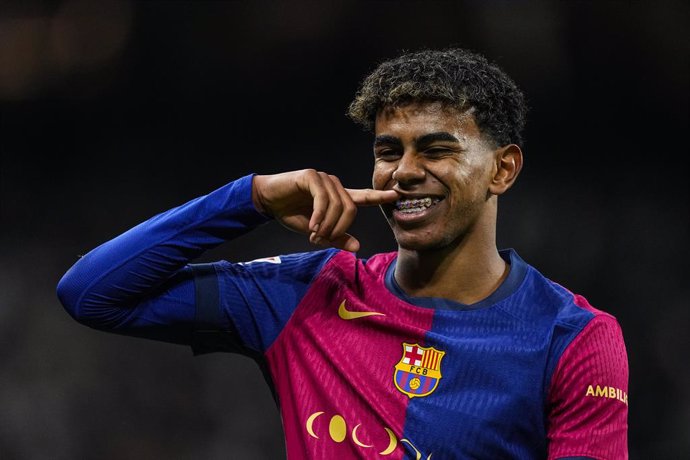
(411,206)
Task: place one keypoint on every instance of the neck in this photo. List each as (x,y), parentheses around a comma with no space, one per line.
(463,273)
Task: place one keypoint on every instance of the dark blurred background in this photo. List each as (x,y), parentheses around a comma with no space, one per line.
(113,111)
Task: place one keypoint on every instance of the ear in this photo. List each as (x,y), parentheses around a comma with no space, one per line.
(508,163)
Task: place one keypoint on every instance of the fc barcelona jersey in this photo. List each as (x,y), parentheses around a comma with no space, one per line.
(358,368)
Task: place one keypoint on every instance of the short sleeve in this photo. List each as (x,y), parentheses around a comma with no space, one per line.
(588,395)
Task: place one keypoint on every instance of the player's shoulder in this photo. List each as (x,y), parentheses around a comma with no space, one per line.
(556,303)
(318,256)
(298,266)
(330,260)
(575,309)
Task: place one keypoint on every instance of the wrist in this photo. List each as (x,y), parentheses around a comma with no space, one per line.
(257,182)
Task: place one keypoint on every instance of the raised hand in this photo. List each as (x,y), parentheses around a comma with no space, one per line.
(315,203)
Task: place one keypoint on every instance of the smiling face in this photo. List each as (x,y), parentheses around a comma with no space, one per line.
(445,172)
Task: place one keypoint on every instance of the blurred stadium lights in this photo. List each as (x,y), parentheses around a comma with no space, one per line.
(38,44)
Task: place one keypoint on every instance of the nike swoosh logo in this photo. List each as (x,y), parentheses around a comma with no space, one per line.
(346,314)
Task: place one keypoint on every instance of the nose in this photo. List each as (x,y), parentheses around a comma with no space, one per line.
(409,170)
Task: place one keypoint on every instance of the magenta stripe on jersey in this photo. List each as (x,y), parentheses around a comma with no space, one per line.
(329,372)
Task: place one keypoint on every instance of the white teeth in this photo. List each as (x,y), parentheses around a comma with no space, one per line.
(411,210)
(415,205)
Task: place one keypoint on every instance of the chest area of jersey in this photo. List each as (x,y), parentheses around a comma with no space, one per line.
(368,372)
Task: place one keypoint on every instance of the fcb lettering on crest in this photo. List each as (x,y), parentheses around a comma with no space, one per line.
(419,370)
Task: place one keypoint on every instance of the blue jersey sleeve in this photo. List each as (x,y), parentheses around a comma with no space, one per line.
(244,306)
(141,283)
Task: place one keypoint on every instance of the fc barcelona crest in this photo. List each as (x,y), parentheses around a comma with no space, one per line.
(418,371)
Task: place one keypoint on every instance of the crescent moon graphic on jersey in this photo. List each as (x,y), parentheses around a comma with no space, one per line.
(354,437)
(310,423)
(419,454)
(393,442)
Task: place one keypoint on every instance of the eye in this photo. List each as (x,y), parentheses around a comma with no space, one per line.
(437,151)
(387,154)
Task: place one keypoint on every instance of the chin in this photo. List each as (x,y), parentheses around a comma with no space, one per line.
(419,242)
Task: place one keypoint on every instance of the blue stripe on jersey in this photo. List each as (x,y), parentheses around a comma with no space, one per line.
(493,373)
(570,322)
(260,296)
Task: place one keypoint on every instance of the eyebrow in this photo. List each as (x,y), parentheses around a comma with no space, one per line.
(434,137)
(423,140)
(387,140)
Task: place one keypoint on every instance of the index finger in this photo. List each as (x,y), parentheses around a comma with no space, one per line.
(371,197)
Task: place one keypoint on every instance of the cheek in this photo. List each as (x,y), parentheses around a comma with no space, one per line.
(468,176)
(453,176)
(381,175)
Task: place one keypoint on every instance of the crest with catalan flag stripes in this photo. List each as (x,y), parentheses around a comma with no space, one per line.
(419,370)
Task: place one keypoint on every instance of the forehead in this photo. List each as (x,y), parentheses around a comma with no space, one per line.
(425,117)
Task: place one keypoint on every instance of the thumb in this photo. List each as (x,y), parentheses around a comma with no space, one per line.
(371,197)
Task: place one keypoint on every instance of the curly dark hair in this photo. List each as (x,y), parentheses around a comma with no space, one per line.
(457,77)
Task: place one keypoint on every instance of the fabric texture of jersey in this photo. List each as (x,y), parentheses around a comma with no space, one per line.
(359,369)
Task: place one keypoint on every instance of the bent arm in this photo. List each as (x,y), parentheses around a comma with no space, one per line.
(140,283)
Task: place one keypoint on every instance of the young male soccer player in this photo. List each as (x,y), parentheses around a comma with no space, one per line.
(448,348)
